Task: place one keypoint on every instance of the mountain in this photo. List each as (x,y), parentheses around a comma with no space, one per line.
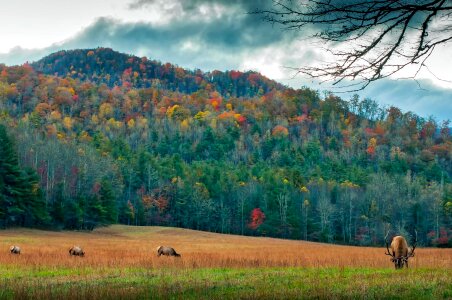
(103,65)
(95,137)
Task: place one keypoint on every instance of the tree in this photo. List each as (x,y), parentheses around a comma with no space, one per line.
(11,189)
(320,168)
(34,205)
(370,39)
(108,201)
(21,201)
(257,217)
(306,205)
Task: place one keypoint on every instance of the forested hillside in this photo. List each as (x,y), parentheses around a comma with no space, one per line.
(104,65)
(94,137)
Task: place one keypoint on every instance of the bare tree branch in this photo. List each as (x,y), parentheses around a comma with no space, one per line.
(369,40)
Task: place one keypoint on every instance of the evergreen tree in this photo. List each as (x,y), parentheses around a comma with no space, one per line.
(11,187)
(34,205)
(94,212)
(108,202)
(21,201)
(73,214)
(57,210)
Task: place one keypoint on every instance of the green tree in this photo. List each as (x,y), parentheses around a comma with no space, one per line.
(11,187)
(108,201)
(34,205)
(21,201)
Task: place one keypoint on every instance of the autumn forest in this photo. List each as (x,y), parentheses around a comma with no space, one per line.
(95,137)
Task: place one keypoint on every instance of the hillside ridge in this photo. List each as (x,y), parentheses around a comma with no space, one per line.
(104,65)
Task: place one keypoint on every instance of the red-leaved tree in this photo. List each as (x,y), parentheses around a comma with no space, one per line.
(257,217)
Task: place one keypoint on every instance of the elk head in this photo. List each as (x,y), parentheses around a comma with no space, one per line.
(399,252)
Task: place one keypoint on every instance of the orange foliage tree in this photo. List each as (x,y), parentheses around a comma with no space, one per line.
(280,130)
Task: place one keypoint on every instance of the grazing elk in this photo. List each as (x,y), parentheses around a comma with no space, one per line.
(399,251)
(76,251)
(14,249)
(168,251)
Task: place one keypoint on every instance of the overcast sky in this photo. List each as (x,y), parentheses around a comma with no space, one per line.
(199,34)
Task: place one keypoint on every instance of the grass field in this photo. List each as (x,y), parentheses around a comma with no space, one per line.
(121,262)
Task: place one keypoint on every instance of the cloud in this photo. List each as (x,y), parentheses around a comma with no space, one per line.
(422,97)
(195,5)
(19,55)
(195,34)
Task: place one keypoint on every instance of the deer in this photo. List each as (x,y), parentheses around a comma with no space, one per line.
(399,251)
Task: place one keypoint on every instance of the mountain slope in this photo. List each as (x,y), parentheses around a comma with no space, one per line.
(103,65)
(284,163)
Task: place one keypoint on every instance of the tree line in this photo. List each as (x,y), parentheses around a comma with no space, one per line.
(285,163)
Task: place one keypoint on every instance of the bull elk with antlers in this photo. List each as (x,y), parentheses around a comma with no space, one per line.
(399,251)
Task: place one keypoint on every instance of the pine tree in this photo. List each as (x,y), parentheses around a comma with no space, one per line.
(34,205)
(73,213)
(108,202)
(57,209)
(11,187)
(94,212)
(21,201)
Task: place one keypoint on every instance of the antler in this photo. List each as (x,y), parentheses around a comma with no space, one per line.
(411,254)
(387,245)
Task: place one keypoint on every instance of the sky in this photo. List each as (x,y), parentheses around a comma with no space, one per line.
(202,34)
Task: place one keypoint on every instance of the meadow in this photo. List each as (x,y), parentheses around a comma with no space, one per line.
(121,262)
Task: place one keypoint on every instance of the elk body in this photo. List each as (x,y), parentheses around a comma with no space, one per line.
(14,249)
(399,251)
(76,251)
(168,251)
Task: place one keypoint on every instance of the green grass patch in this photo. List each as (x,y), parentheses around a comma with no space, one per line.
(225,283)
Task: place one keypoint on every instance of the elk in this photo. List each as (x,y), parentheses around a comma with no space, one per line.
(76,251)
(14,249)
(168,251)
(399,252)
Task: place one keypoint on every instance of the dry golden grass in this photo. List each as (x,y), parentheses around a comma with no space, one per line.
(129,247)
(121,262)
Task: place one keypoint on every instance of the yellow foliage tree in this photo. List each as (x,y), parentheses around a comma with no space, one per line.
(84,136)
(170,110)
(111,122)
(105,110)
(349,184)
(184,125)
(55,115)
(119,124)
(95,119)
(142,122)
(67,123)
(131,123)
(202,115)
